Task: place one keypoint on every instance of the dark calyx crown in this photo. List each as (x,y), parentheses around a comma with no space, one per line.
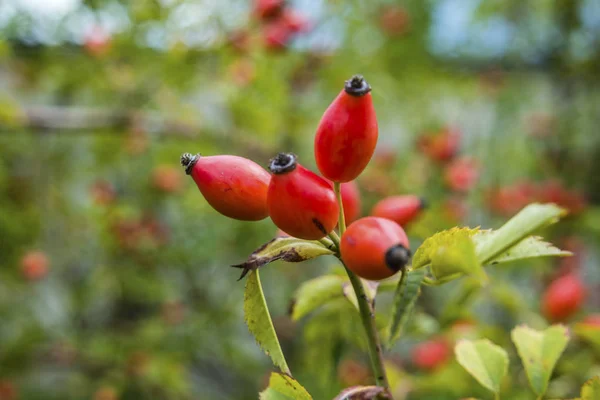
(283,163)
(357,86)
(188,160)
(397,257)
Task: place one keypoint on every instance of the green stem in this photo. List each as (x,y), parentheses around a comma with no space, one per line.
(367,312)
(335,239)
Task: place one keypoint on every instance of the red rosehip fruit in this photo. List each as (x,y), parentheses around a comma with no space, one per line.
(374,248)
(265,9)
(347,134)
(300,202)
(592,320)
(276,35)
(234,186)
(440,147)
(34,265)
(394,20)
(462,174)
(400,209)
(351,201)
(295,21)
(166,179)
(563,298)
(431,354)
(97,42)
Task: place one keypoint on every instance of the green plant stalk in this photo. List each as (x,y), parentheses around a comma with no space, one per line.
(367,313)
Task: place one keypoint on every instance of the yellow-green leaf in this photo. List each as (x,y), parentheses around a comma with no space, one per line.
(457,258)
(286,249)
(429,248)
(485,361)
(539,351)
(406,296)
(589,333)
(591,389)
(530,247)
(258,319)
(316,292)
(284,387)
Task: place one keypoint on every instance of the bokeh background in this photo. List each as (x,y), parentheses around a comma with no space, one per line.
(114,272)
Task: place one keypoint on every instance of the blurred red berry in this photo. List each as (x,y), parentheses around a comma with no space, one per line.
(276,35)
(351,201)
(8,391)
(34,265)
(103,193)
(394,20)
(295,22)
(265,9)
(462,174)
(167,179)
(563,298)
(97,42)
(431,354)
(441,146)
(402,209)
(592,320)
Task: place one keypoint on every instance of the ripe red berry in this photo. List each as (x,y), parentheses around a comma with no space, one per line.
(441,146)
(166,179)
(462,174)
(394,20)
(592,320)
(374,248)
(347,134)
(351,201)
(266,9)
(97,42)
(431,354)
(563,298)
(34,265)
(276,35)
(234,186)
(400,209)
(295,21)
(300,202)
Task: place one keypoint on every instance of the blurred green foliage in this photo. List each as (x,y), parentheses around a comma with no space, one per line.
(98,100)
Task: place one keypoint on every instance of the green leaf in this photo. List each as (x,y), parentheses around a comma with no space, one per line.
(284,387)
(528,220)
(457,258)
(485,361)
(591,389)
(406,296)
(539,351)
(530,247)
(362,393)
(286,249)
(316,292)
(589,333)
(258,319)
(429,248)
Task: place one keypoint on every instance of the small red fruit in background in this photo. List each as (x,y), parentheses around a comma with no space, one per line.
(295,22)
(351,201)
(462,174)
(375,248)
(563,298)
(394,20)
(347,134)
(166,179)
(103,193)
(97,42)
(276,35)
(300,202)
(234,186)
(105,393)
(400,209)
(353,373)
(592,320)
(7,390)
(455,208)
(265,9)
(431,354)
(34,265)
(441,146)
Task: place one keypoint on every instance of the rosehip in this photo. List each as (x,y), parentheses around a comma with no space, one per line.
(8,390)
(394,20)
(234,186)
(592,320)
(563,298)
(431,354)
(347,134)
(400,209)
(300,202)
(265,9)
(374,248)
(295,21)
(34,265)
(462,174)
(166,179)
(440,147)
(276,35)
(97,42)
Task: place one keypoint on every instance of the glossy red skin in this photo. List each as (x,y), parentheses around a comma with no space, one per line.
(563,298)
(431,354)
(364,244)
(462,174)
(299,200)
(400,209)
(234,186)
(346,137)
(351,201)
(265,9)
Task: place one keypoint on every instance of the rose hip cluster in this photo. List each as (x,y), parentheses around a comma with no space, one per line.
(279,22)
(303,204)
